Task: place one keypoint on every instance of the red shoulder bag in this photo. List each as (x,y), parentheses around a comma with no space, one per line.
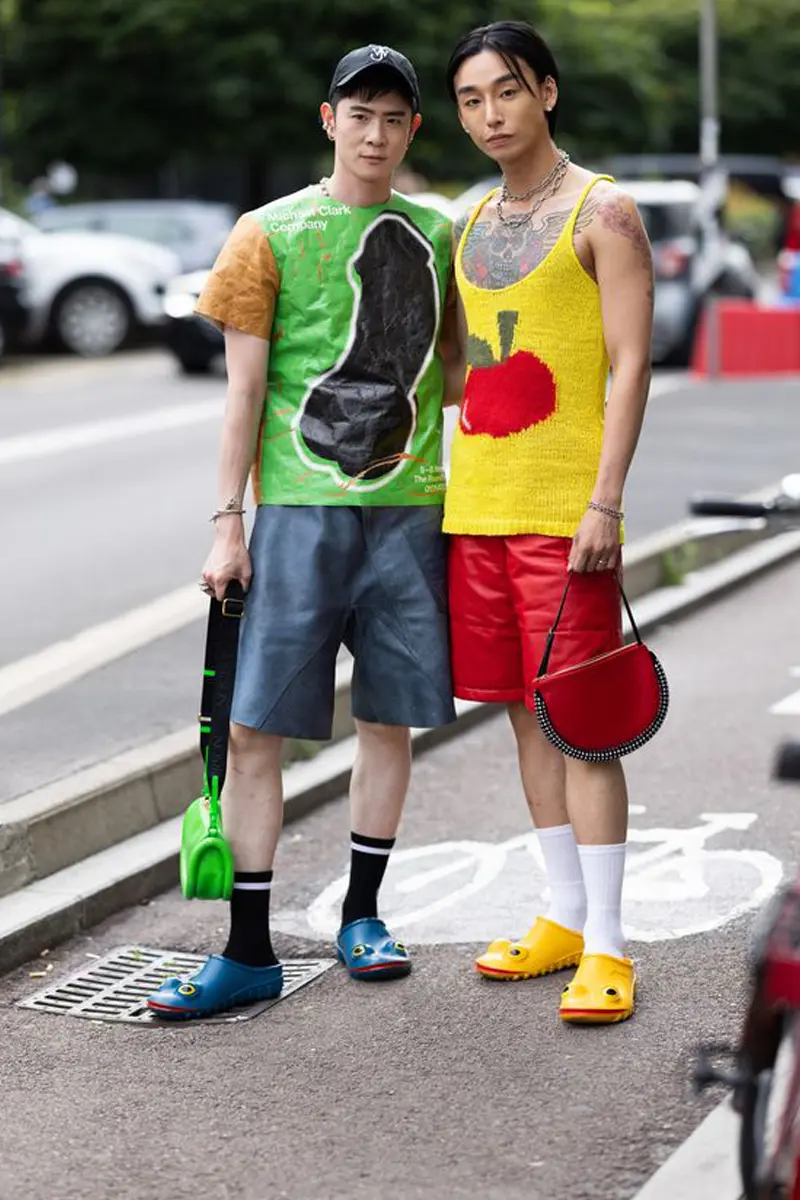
(606,707)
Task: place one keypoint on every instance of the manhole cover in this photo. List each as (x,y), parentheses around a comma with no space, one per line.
(114,988)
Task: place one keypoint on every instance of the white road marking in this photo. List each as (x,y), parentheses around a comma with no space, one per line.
(30,678)
(63,662)
(467,892)
(790,706)
(31,446)
(66,438)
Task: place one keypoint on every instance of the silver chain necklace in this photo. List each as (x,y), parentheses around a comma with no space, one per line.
(543,190)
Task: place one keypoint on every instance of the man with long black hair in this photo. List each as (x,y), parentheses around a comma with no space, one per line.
(555,278)
(332,302)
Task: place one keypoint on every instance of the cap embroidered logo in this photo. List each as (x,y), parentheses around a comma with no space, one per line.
(379,53)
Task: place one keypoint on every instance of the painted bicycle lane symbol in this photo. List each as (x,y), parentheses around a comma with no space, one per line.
(468,891)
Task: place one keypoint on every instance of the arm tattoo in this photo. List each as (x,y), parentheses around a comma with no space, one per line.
(616,217)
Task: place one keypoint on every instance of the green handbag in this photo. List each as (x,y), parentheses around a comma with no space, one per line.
(206,859)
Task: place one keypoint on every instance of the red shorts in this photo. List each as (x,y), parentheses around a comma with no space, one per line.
(504,594)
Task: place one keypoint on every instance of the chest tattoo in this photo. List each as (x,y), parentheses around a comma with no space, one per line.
(496,255)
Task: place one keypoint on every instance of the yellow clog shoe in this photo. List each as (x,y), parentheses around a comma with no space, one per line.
(602,992)
(546,947)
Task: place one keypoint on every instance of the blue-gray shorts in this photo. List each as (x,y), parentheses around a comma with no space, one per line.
(371,578)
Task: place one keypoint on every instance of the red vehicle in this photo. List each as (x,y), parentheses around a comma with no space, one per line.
(766,1074)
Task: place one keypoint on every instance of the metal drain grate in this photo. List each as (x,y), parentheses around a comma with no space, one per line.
(114,988)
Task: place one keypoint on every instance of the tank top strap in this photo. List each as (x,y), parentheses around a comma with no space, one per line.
(576,212)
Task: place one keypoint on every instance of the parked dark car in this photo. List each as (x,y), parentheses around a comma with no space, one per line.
(194,341)
(14,311)
(193,229)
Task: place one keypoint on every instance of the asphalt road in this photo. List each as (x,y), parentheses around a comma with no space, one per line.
(443,1086)
(107,474)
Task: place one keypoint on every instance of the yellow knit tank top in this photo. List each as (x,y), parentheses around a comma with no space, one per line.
(527,447)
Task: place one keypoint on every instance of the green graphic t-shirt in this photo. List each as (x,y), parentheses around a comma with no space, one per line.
(352,300)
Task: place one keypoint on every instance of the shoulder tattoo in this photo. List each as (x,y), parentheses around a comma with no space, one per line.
(617,217)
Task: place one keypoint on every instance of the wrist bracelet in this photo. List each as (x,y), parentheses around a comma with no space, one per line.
(227,512)
(615,513)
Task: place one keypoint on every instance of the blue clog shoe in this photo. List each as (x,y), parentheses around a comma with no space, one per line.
(369,951)
(220,984)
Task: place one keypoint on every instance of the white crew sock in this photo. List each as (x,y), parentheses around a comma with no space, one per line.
(564,877)
(603,873)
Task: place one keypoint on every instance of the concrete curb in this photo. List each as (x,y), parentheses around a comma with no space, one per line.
(56,826)
(63,886)
(705,1164)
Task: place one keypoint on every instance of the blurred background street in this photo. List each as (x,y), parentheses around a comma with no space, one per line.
(132,136)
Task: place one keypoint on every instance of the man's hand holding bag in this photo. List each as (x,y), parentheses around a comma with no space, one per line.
(206,859)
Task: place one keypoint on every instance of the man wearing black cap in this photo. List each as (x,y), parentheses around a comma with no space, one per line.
(334,305)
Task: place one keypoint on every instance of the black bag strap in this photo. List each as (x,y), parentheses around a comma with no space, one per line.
(551,635)
(219,676)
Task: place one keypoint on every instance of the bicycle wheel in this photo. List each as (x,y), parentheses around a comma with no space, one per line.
(770,1109)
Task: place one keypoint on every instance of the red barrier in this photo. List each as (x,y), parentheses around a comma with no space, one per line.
(748,340)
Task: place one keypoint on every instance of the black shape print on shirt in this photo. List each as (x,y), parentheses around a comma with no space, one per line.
(359,415)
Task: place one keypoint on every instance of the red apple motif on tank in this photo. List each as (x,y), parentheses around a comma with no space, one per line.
(508,396)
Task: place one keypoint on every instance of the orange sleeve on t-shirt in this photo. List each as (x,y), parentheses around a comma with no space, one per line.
(242,288)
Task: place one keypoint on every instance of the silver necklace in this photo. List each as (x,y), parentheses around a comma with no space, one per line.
(544,190)
(543,184)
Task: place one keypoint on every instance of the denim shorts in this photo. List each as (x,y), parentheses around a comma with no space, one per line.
(373,579)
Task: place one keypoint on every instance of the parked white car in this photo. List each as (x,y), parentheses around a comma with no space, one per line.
(88,290)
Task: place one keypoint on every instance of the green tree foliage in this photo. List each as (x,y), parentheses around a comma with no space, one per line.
(124,86)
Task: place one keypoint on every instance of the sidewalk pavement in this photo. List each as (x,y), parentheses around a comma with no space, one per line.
(443,1086)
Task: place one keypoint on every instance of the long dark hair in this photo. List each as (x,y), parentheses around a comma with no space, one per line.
(514,41)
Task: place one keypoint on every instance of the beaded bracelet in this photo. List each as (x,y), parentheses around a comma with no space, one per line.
(227,512)
(615,513)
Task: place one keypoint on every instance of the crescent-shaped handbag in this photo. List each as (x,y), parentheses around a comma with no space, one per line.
(605,707)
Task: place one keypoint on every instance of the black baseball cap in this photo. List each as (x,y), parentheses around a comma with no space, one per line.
(367,57)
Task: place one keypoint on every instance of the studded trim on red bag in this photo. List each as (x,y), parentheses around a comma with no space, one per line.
(615,752)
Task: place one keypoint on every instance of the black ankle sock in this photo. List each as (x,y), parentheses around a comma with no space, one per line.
(249,940)
(369,858)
